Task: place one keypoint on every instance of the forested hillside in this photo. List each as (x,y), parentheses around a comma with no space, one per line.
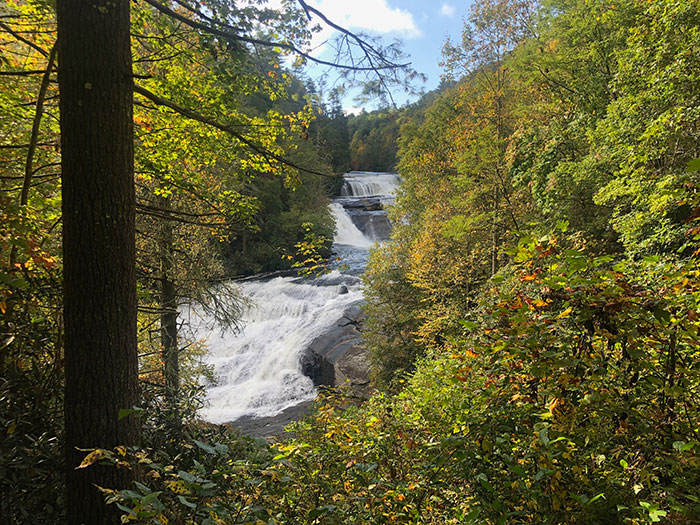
(533,323)
(534,318)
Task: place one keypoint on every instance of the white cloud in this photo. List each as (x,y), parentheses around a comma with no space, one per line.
(447,10)
(373,16)
(370,15)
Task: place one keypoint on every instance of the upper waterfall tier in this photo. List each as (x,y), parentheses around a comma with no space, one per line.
(369,184)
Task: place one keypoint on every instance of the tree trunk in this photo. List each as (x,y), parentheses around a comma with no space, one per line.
(33,140)
(168,317)
(494,231)
(101,363)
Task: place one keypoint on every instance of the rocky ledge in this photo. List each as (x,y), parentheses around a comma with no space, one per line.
(338,358)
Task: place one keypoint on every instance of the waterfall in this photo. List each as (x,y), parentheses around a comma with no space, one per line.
(257,372)
(346,231)
(369,184)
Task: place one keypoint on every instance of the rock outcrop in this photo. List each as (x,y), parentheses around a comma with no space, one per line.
(338,357)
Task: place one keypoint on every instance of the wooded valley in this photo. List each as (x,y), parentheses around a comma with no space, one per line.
(533,323)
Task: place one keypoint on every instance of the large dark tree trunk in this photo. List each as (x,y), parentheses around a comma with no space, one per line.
(101,366)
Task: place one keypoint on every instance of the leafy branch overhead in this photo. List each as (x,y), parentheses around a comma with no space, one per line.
(355,53)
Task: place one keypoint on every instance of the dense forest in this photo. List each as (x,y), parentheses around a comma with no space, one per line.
(533,322)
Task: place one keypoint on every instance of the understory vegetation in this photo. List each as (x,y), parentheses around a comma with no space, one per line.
(533,323)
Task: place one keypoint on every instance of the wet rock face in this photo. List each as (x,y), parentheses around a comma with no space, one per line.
(364,204)
(374,225)
(317,368)
(338,357)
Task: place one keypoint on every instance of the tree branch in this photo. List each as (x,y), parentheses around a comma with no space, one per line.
(36,124)
(22,73)
(267,43)
(367,48)
(22,39)
(225,128)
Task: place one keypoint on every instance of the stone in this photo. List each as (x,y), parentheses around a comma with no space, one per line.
(318,368)
(342,350)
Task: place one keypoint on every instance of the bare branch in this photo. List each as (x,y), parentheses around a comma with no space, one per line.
(23,146)
(36,124)
(22,73)
(267,43)
(368,49)
(22,39)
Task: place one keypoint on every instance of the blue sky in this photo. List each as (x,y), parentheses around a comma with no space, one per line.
(422,26)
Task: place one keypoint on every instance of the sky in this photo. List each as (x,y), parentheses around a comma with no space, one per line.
(422,25)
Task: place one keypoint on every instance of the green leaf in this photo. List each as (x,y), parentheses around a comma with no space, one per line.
(520,471)
(187,503)
(661,315)
(471,517)
(485,483)
(601,495)
(657,514)
(187,477)
(152,498)
(693,165)
(125,509)
(206,448)
(682,446)
(469,325)
(315,513)
(143,488)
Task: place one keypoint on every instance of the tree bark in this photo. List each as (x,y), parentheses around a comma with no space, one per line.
(101,363)
(168,319)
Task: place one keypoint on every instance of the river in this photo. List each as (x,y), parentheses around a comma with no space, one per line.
(258,371)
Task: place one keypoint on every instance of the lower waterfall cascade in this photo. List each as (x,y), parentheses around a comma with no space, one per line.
(257,371)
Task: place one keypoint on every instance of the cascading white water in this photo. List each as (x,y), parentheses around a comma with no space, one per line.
(345,230)
(257,371)
(369,183)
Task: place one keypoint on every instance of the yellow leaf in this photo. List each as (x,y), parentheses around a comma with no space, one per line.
(565,313)
(487,444)
(91,458)
(178,487)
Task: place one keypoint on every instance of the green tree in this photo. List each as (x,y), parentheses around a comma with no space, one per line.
(647,136)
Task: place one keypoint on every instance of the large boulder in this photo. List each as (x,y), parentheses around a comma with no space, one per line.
(338,358)
(318,368)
